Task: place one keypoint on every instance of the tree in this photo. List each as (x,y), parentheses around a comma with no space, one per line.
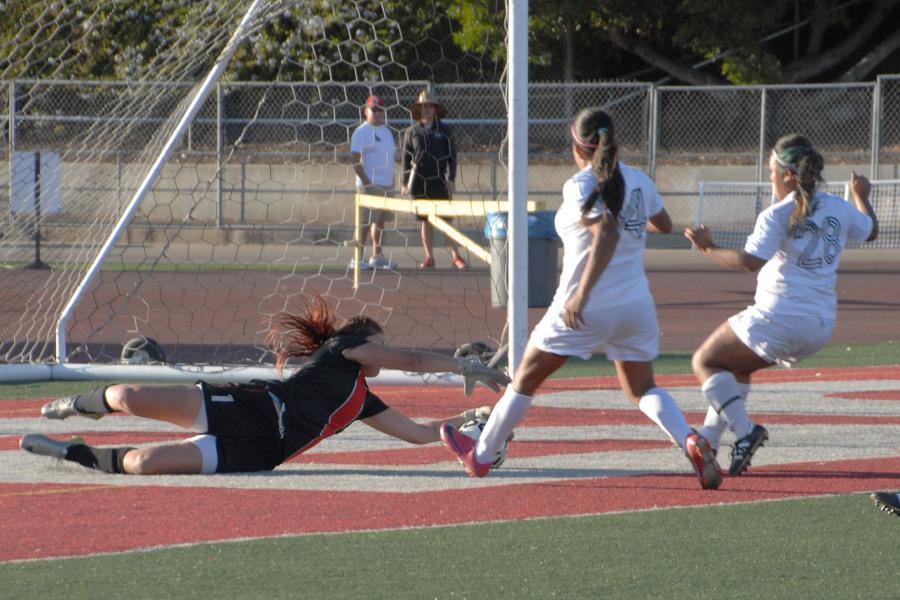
(690,41)
(699,41)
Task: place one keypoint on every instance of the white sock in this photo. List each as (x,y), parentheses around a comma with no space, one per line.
(509,410)
(662,409)
(715,424)
(723,394)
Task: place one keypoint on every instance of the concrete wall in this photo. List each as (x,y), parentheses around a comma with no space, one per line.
(320,195)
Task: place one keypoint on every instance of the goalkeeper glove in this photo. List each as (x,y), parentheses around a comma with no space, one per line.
(482,413)
(473,371)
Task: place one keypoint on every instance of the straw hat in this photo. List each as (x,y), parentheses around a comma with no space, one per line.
(427,96)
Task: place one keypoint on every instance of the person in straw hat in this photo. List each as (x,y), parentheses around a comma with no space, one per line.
(429,166)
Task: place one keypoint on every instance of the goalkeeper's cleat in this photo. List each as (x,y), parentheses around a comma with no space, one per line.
(889,503)
(703,460)
(462,447)
(745,447)
(63,408)
(44,446)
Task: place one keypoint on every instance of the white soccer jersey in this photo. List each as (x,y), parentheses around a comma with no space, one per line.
(799,277)
(623,280)
(377,150)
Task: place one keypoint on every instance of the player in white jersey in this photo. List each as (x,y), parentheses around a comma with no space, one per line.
(603,299)
(796,247)
(373,151)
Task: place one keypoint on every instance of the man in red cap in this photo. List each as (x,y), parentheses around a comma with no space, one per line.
(373,150)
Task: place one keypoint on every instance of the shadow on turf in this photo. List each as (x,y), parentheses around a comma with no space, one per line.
(503,473)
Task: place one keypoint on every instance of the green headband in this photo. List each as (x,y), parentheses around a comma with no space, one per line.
(787,158)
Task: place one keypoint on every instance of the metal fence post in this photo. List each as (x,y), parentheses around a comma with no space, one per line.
(876,128)
(761,159)
(495,193)
(12,133)
(243,184)
(653,130)
(118,181)
(220,166)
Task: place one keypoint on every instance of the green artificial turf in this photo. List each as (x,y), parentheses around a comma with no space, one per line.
(833,547)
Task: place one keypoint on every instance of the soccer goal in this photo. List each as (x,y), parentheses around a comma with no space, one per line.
(730,209)
(186,181)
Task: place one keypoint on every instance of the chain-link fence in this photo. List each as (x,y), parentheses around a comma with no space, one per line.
(680,135)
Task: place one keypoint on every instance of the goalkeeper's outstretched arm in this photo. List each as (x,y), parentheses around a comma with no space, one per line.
(396,424)
(378,356)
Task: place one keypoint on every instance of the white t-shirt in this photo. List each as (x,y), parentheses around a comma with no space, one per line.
(377,150)
(624,279)
(800,277)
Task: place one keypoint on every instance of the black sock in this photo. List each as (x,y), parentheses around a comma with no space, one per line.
(108,460)
(93,401)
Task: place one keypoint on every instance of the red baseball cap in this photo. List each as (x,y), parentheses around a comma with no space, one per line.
(374,101)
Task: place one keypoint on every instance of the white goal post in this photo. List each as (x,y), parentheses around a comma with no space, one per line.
(176,201)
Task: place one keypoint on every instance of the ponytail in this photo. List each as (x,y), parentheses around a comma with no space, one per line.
(593,130)
(794,154)
(605,167)
(301,335)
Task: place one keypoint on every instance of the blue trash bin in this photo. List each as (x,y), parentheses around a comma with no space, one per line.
(543,245)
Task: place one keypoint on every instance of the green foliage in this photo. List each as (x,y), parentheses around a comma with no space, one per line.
(751,68)
(111,40)
(318,40)
(482,27)
(439,40)
(707,26)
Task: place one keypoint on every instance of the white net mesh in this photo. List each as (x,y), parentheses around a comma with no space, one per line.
(730,209)
(255,209)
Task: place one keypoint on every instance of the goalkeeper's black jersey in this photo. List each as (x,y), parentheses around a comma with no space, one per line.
(324,396)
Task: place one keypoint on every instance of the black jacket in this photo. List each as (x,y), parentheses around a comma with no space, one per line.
(431,153)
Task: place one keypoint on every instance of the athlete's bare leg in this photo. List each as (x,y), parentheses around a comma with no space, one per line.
(635,377)
(183,458)
(177,404)
(724,351)
(639,385)
(535,368)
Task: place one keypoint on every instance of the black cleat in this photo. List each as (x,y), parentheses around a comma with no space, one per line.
(889,503)
(745,447)
(44,446)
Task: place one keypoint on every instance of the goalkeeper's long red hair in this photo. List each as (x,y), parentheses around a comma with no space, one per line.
(296,336)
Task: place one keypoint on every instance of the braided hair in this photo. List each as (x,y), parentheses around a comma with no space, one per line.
(300,335)
(795,154)
(593,132)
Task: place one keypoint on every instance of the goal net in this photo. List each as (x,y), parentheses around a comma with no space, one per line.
(730,209)
(150,195)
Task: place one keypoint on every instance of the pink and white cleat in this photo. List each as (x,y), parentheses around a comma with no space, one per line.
(703,460)
(463,449)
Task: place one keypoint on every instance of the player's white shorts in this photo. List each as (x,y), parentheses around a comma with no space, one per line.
(626,332)
(782,339)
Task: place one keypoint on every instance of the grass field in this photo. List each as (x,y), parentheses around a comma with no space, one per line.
(834,547)
(843,355)
(835,355)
